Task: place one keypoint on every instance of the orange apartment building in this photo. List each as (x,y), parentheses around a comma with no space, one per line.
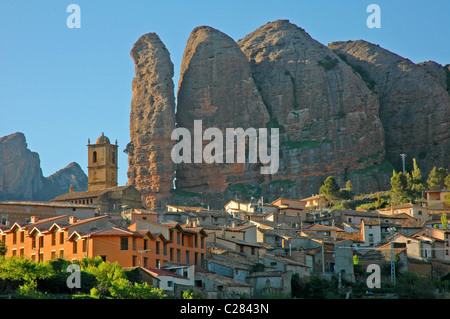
(73,239)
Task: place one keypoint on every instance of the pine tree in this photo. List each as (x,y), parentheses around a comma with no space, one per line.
(330,189)
(417,185)
(399,188)
(436,178)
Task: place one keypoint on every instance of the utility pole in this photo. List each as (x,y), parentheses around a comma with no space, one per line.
(392,231)
(403,161)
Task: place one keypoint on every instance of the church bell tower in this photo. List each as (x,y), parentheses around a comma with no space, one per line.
(102,164)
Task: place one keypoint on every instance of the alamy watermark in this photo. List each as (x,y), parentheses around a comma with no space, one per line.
(218,152)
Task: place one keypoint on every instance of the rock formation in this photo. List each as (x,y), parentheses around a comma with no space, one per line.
(414,103)
(20,169)
(217,87)
(152,120)
(328,115)
(21,174)
(346,110)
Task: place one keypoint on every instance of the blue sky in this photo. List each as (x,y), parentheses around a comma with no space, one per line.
(61,86)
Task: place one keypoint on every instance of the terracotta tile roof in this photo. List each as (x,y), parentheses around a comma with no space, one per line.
(87,194)
(47,204)
(114,231)
(318,227)
(159,272)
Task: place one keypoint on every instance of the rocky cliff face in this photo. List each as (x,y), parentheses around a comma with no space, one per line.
(217,87)
(346,110)
(328,115)
(414,103)
(152,120)
(20,170)
(21,175)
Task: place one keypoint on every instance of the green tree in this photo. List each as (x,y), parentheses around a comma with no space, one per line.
(330,189)
(437,178)
(417,181)
(3,248)
(447,182)
(399,188)
(444,220)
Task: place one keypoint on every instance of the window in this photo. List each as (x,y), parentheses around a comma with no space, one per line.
(178,255)
(75,247)
(145,243)
(145,262)
(134,243)
(157,247)
(178,238)
(196,241)
(94,157)
(84,245)
(41,241)
(123,243)
(61,238)
(202,242)
(158,264)
(134,258)
(169,283)
(187,257)
(171,254)
(114,157)
(33,242)
(171,235)
(165,249)
(419,212)
(53,239)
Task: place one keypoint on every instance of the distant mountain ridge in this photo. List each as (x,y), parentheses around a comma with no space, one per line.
(21,175)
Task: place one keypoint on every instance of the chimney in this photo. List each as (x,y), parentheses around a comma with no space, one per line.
(72,219)
(34,219)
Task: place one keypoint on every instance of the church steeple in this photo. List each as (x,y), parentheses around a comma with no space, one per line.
(102,164)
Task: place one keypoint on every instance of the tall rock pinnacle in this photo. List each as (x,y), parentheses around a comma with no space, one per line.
(152,120)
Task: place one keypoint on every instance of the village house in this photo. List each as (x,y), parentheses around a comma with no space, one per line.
(21,211)
(343,259)
(241,246)
(236,271)
(214,286)
(416,248)
(315,202)
(183,245)
(112,201)
(440,239)
(320,230)
(419,213)
(171,282)
(271,282)
(224,232)
(436,196)
(280,263)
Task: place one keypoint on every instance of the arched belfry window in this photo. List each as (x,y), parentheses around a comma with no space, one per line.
(114,157)
(94,157)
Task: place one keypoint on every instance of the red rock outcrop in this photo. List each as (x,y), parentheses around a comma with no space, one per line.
(414,103)
(328,115)
(152,120)
(217,87)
